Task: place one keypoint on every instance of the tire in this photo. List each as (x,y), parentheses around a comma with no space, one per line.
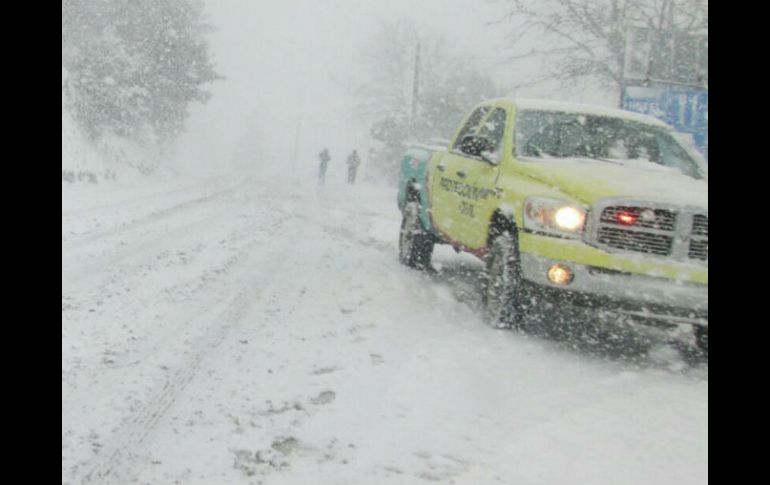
(415,246)
(502,307)
(702,339)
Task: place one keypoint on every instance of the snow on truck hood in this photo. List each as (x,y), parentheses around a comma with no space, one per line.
(589,180)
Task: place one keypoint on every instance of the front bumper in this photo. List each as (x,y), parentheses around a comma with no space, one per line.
(664,307)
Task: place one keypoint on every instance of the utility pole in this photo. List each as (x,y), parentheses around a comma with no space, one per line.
(623,70)
(415,88)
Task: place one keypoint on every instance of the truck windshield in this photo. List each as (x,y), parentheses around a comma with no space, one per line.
(550,134)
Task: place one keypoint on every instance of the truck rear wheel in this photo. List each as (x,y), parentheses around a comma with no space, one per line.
(502,308)
(415,246)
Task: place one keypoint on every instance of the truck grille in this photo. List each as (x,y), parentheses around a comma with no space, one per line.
(643,242)
(654,230)
(700,225)
(662,219)
(699,241)
(699,250)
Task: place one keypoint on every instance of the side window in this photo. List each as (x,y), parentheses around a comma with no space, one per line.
(494,128)
(470,125)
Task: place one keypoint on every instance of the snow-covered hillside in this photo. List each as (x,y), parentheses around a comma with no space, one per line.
(263,331)
(77,156)
(108,160)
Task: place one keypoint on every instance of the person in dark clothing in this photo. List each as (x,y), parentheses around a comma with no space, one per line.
(324,156)
(353,163)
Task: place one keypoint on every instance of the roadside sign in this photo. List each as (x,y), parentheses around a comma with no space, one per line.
(684,108)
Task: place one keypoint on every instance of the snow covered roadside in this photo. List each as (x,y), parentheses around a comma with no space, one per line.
(257,331)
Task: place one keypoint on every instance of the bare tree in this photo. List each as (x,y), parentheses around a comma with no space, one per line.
(587,39)
(389,59)
(398,110)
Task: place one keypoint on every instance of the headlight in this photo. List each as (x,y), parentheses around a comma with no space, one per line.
(569,218)
(554,216)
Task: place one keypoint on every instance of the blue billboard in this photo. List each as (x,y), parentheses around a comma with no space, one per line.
(684,108)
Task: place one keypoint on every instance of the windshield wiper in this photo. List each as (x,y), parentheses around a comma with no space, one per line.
(607,160)
(596,159)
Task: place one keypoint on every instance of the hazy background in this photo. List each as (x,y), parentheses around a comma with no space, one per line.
(291,68)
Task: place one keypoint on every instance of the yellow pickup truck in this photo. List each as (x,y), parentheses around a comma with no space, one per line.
(568,205)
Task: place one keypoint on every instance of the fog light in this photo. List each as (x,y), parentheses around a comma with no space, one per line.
(560,274)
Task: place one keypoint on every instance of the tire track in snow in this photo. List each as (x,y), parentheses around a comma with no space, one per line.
(151,218)
(247,233)
(116,463)
(141,199)
(209,281)
(122,456)
(97,261)
(161,285)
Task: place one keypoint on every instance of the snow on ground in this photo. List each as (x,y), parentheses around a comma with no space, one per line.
(263,331)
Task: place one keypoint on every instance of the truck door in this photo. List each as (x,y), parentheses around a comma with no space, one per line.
(482,174)
(449,189)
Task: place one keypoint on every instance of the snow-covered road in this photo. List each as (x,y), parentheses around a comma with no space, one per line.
(252,331)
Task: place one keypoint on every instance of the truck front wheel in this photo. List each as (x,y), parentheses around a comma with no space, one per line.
(502,308)
(415,246)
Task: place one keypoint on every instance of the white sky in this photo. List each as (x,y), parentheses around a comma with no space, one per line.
(292,61)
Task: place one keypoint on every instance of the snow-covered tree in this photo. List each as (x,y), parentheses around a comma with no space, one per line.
(134,65)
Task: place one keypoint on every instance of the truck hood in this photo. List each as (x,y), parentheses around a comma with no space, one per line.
(589,180)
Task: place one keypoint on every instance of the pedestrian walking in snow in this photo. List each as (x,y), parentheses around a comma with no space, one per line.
(353,163)
(324,156)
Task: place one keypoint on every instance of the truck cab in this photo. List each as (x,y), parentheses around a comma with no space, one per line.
(571,203)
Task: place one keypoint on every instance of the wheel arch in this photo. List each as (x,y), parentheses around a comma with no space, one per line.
(500,223)
(412,191)
(408,191)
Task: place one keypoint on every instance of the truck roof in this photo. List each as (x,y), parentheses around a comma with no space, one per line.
(567,107)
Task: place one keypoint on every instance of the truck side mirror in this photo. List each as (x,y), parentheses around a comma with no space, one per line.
(475,145)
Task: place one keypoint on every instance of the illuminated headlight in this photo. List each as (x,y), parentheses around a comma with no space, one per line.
(569,218)
(554,216)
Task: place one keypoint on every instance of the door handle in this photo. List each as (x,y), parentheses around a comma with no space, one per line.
(461,174)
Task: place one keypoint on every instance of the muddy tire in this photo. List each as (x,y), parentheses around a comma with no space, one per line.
(502,306)
(415,245)
(702,339)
